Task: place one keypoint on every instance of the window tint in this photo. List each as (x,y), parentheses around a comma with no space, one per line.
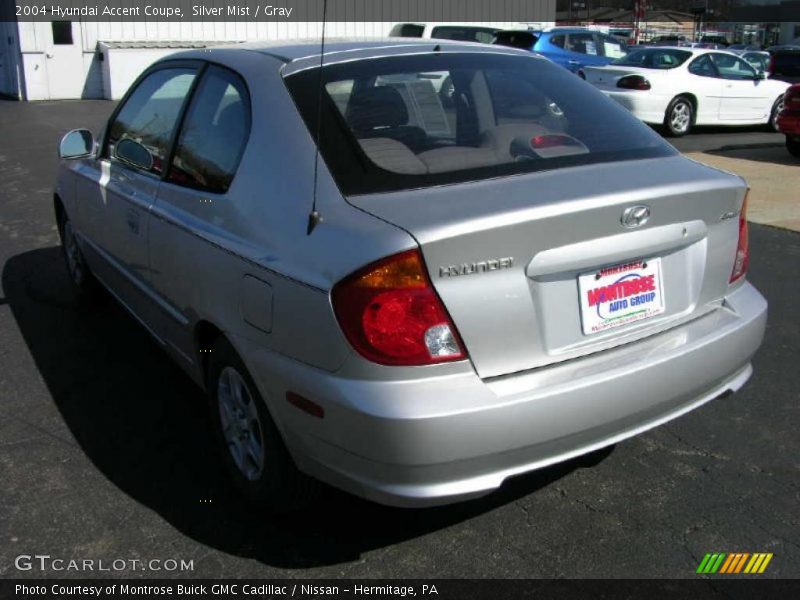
(415,121)
(757,60)
(558,40)
(582,43)
(62,33)
(515,39)
(464,34)
(151,112)
(732,67)
(407,30)
(214,133)
(654,58)
(703,66)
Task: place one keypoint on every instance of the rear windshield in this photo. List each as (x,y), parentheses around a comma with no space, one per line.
(654,58)
(416,121)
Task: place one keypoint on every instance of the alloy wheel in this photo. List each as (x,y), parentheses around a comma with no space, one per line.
(241,425)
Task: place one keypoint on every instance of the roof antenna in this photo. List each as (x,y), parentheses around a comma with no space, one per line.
(314,218)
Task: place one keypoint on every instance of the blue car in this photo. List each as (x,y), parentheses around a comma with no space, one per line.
(570,47)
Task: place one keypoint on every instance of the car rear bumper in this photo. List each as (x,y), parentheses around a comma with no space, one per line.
(437,440)
(646,106)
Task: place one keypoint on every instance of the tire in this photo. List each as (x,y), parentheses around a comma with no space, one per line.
(679,117)
(250,445)
(772,125)
(793,146)
(86,287)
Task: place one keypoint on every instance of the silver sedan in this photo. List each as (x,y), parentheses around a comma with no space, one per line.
(409,269)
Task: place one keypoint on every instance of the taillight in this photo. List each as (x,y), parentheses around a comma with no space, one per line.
(633,82)
(742,259)
(391,314)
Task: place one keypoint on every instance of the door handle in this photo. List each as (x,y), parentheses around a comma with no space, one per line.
(48,55)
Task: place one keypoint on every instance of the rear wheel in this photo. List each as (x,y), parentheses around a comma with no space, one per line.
(679,117)
(252,449)
(773,115)
(793,146)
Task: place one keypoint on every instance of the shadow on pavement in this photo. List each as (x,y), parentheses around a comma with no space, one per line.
(773,155)
(142,423)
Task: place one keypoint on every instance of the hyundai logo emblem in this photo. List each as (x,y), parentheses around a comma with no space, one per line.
(635,216)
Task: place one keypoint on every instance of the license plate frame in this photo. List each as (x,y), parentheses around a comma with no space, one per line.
(618,295)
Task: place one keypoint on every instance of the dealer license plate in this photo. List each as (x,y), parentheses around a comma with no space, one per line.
(619,295)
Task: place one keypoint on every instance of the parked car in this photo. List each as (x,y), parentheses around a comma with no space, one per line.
(668,40)
(412,295)
(720,40)
(745,47)
(758,58)
(682,87)
(464,32)
(789,119)
(784,64)
(570,47)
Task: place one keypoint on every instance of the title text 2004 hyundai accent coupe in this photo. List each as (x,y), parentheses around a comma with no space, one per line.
(502,268)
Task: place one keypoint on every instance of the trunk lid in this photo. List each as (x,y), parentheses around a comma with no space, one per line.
(607,77)
(505,255)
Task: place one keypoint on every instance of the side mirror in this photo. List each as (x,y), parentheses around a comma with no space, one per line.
(761,74)
(78,143)
(132,152)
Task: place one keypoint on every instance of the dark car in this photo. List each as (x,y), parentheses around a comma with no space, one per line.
(784,63)
(789,119)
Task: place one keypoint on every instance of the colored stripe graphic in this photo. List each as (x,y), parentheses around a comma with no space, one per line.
(734,563)
(711,562)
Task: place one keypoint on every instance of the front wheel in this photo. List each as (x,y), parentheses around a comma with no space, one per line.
(793,146)
(84,283)
(773,115)
(678,117)
(251,446)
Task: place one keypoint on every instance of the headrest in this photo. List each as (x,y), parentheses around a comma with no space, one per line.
(381,106)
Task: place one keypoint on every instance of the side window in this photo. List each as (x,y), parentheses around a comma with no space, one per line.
(703,67)
(582,43)
(151,112)
(732,67)
(214,133)
(558,40)
(612,48)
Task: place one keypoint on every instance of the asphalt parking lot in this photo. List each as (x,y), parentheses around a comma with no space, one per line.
(104,443)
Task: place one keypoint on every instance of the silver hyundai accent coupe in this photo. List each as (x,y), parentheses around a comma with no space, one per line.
(410,269)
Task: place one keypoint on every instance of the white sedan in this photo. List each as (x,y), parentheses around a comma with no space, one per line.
(682,87)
